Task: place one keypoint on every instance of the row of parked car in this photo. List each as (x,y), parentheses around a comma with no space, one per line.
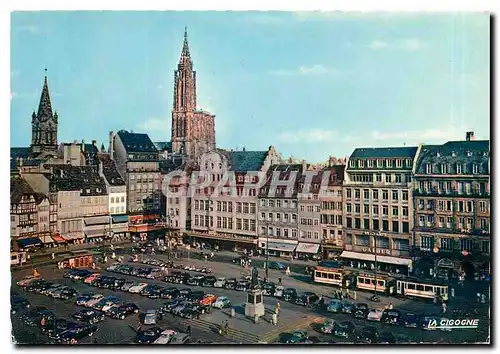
(47,288)
(388,316)
(57,329)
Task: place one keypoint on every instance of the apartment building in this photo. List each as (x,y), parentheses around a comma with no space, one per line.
(378,209)
(452,207)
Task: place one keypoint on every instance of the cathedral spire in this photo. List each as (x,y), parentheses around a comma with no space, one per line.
(185,46)
(45,107)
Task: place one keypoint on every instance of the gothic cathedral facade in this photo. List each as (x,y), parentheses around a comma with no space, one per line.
(193,131)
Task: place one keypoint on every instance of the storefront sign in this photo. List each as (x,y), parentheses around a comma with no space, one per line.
(381,234)
(376,250)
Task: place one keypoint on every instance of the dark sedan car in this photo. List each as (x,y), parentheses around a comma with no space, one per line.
(184,294)
(289,294)
(121,312)
(361,311)
(182,278)
(65,294)
(169,293)
(230,283)
(345,330)
(302,300)
(74,335)
(348,307)
(89,316)
(209,281)
(83,298)
(369,334)
(277,265)
(410,320)
(149,335)
(35,317)
(168,306)
(54,329)
(117,285)
(196,280)
(242,285)
(18,303)
(268,289)
(196,296)
(148,289)
(391,317)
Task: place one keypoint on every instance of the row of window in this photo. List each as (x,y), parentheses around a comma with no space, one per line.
(278,203)
(449,244)
(310,208)
(309,221)
(173,200)
(145,178)
(381,163)
(144,186)
(381,242)
(331,219)
(331,205)
(375,210)
(376,225)
(396,194)
(278,232)
(463,206)
(446,168)
(118,209)
(228,191)
(279,217)
(117,200)
(463,223)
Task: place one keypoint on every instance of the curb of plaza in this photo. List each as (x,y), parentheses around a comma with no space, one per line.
(234,333)
(284,328)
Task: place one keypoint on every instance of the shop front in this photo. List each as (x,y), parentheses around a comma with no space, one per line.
(369,258)
(307,251)
(277,248)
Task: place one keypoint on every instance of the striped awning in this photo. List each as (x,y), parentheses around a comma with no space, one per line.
(46,239)
(58,238)
(97,220)
(69,237)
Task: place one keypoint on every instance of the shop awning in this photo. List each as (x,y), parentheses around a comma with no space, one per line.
(371,257)
(46,239)
(97,220)
(58,238)
(307,248)
(69,237)
(120,229)
(28,242)
(280,246)
(120,218)
(94,233)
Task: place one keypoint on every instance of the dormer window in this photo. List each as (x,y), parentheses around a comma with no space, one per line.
(438,154)
(370,163)
(380,163)
(399,163)
(428,168)
(485,153)
(469,153)
(389,163)
(444,168)
(352,163)
(459,169)
(361,163)
(475,169)
(408,162)
(453,153)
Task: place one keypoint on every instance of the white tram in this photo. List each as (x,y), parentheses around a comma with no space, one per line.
(366,281)
(421,289)
(332,276)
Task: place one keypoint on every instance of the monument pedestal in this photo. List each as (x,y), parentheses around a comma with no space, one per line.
(255,304)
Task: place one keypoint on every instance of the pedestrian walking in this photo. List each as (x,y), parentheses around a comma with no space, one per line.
(53,256)
(206,258)
(226,328)
(278,308)
(478,297)
(197,315)
(435,299)
(308,301)
(287,272)
(279,281)
(188,331)
(274,319)
(444,307)
(390,306)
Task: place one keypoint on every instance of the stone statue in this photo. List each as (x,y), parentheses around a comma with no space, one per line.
(255,278)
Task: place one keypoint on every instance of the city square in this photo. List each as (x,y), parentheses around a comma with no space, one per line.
(158,233)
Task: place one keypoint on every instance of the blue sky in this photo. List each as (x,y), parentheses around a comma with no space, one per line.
(312,84)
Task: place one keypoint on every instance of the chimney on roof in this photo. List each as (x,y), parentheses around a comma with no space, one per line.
(101,173)
(469,136)
(94,143)
(304,165)
(244,149)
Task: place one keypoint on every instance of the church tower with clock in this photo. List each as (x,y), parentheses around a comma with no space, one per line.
(44,126)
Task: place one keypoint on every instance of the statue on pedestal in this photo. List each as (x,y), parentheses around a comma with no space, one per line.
(255,278)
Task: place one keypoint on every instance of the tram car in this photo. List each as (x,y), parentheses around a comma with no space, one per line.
(421,289)
(332,276)
(384,284)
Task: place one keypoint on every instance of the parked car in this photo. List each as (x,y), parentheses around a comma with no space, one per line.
(65,294)
(26,281)
(180,306)
(111,303)
(83,298)
(117,285)
(165,336)
(268,289)
(136,289)
(243,285)
(230,283)
(334,306)
(277,265)
(410,320)
(345,330)
(328,326)
(196,296)
(209,281)
(278,291)
(33,317)
(91,278)
(179,338)
(196,280)
(302,300)
(361,311)
(127,285)
(184,293)
(123,311)
(89,316)
(369,334)
(220,282)
(348,307)
(391,317)
(169,306)
(55,328)
(74,335)
(150,317)
(208,299)
(297,336)
(18,303)
(375,315)
(222,302)
(149,335)
(169,293)
(289,294)
(93,300)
